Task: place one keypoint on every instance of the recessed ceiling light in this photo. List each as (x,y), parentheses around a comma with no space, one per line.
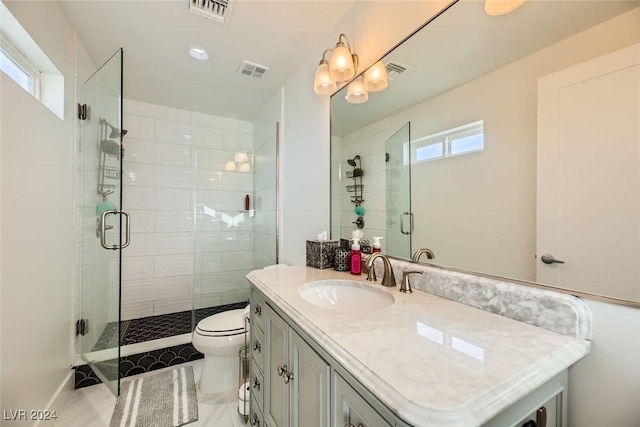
(198,53)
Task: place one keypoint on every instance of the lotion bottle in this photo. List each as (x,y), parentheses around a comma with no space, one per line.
(355,259)
(376,244)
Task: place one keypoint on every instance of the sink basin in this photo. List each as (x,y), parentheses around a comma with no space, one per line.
(345,295)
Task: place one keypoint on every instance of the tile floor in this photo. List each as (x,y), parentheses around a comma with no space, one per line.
(92,406)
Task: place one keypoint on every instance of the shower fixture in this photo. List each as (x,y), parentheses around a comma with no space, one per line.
(352,162)
(115,132)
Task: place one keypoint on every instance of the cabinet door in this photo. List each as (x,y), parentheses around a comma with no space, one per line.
(276,352)
(547,416)
(309,386)
(349,408)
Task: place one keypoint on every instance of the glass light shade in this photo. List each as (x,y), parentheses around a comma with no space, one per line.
(341,67)
(240,157)
(500,7)
(230,166)
(245,167)
(375,78)
(356,93)
(322,82)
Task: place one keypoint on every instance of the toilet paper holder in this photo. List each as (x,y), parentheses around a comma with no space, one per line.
(243,376)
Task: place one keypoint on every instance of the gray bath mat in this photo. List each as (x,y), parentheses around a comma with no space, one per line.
(167,399)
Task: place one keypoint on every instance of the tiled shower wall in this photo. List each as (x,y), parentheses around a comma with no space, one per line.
(190,235)
(369,144)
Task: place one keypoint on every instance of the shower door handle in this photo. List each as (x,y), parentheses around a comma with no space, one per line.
(402,230)
(104,227)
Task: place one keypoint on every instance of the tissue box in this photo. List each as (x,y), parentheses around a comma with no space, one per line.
(321,254)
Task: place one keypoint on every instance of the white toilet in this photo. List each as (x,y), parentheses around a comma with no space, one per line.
(219,338)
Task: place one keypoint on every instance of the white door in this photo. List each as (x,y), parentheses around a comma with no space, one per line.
(589,176)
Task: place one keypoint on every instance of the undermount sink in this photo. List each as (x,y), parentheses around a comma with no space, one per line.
(345,295)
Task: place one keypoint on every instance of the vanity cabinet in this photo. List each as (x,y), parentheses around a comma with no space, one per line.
(296,378)
(301,385)
(350,409)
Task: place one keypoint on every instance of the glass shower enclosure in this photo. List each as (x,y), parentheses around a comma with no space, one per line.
(104,225)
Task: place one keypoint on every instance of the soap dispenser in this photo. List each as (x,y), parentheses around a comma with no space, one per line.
(376,244)
(355,259)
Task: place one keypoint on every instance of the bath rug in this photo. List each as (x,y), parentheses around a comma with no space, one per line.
(167,399)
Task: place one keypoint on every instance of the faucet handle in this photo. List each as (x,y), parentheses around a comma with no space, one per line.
(406,285)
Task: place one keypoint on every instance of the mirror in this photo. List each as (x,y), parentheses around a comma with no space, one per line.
(513,151)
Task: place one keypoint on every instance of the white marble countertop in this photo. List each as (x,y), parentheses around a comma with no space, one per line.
(432,361)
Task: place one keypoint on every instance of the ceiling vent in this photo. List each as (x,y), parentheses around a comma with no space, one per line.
(252,69)
(394,69)
(218,10)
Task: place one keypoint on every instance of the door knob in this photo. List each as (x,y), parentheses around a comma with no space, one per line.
(549,259)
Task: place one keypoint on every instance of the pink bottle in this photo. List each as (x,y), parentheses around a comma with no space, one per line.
(356,258)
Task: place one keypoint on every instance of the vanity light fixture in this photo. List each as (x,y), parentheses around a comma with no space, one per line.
(343,64)
(501,7)
(356,92)
(341,67)
(230,166)
(375,78)
(323,84)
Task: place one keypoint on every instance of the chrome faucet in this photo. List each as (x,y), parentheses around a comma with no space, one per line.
(388,279)
(406,284)
(416,256)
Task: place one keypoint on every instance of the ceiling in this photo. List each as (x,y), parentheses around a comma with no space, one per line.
(156,36)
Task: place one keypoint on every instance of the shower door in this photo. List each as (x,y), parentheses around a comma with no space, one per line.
(398,170)
(104,224)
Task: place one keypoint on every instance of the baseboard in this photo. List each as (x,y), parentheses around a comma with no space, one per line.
(58,401)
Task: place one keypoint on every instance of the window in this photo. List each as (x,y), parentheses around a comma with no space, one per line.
(464,139)
(18,68)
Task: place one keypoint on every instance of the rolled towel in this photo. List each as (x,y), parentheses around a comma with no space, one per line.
(246,313)
(243,407)
(245,392)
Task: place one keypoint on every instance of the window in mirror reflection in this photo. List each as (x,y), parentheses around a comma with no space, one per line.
(464,139)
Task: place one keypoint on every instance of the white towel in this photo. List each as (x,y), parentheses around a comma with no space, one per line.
(245,392)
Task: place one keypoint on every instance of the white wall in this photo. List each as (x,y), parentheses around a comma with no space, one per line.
(373,29)
(174,166)
(37,282)
(595,381)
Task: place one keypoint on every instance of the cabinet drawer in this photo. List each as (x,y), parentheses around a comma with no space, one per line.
(256,419)
(257,385)
(257,310)
(257,347)
(350,408)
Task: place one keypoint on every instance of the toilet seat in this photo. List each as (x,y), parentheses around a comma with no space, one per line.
(225,324)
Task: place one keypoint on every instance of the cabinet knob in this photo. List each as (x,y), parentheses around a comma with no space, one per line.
(256,384)
(257,347)
(255,421)
(282,370)
(288,377)
(257,310)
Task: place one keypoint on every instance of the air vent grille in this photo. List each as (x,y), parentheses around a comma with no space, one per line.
(218,10)
(394,69)
(252,69)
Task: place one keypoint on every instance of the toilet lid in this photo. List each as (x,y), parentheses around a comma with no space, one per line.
(227,323)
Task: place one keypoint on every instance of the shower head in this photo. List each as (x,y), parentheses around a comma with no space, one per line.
(115,132)
(352,162)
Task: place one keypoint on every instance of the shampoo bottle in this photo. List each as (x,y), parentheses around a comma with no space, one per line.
(355,259)
(376,244)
